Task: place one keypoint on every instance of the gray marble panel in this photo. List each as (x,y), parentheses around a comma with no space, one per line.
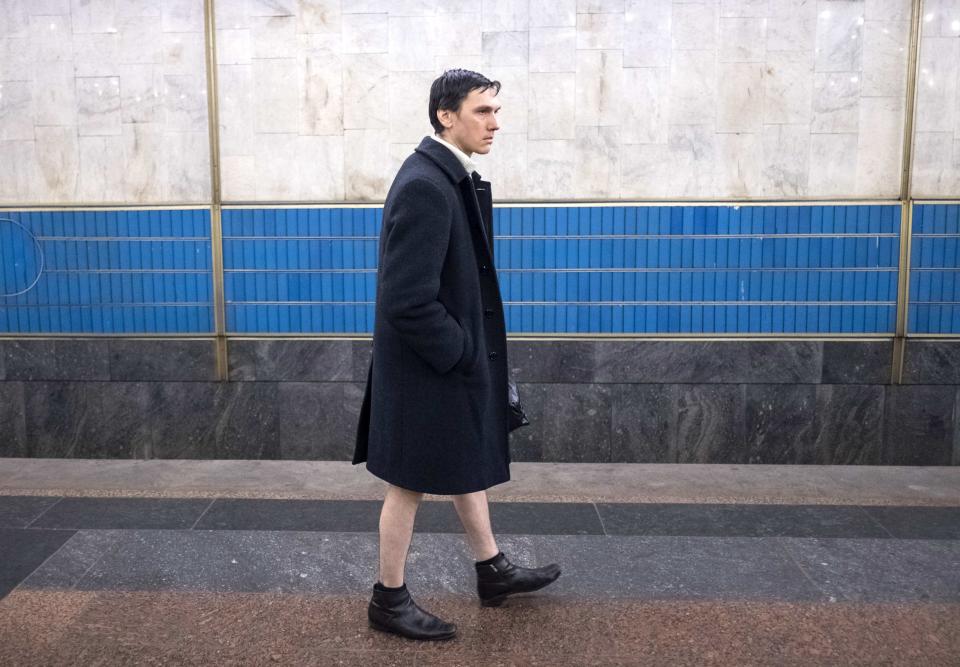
(956,430)
(292,360)
(526,443)
(3,363)
(124,422)
(576,426)
(780,423)
(170,360)
(61,419)
(552,361)
(848,426)
(783,361)
(857,362)
(362,355)
(670,361)
(710,424)
(318,421)
(13,436)
(51,359)
(918,425)
(643,423)
(186,422)
(932,362)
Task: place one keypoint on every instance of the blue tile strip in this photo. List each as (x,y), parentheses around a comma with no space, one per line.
(934,306)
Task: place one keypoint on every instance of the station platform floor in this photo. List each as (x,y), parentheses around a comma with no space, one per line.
(190,562)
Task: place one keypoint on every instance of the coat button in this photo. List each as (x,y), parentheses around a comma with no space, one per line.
(483,268)
(488,313)
(492,355)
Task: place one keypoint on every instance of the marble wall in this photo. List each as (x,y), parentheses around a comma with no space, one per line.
(103,101)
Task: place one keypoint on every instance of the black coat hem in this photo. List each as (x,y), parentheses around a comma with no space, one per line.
(391,478)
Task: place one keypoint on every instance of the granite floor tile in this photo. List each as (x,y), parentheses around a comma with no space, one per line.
(103,513)
(78,554)
(358,516)
(20,511)
(732,520)
(933,523)
(24,550)
(870,570)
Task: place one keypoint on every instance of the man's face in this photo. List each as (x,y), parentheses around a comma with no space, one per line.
(471,129)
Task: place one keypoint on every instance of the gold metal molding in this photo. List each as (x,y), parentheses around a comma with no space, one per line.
(579,203)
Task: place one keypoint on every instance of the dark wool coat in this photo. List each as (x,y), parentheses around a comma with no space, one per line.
(434,415)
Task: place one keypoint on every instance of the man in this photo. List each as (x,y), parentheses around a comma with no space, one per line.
(434,415)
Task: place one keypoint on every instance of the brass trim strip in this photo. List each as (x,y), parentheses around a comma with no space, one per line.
(779,337)
(40,208)
(577,203)
(216,228)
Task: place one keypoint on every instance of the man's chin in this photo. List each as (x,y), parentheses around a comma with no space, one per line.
(483,149)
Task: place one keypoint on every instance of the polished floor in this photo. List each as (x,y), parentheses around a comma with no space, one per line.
(245,562)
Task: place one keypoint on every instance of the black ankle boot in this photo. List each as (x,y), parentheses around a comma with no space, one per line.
(396,612)
(497,578)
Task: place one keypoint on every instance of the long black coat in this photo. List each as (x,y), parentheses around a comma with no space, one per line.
(434,415)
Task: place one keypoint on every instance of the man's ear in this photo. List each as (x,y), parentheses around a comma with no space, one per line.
(443,115)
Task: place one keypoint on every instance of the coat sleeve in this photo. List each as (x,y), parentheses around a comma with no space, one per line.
(413,255)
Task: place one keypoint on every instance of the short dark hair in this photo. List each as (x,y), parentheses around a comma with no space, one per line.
(451,88)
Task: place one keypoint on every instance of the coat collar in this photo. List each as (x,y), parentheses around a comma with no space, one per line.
(446,160)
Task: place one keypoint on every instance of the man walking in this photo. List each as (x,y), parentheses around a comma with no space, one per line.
(434,415)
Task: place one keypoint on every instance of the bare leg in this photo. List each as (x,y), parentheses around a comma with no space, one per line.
(475,516)
(396,530)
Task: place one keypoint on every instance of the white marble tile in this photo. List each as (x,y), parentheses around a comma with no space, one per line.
(16,111)
(839,36)
(235,88)
(141,93)
(597,173)
(96,54)
(599,88)
(792,25)
(506,49)
(234,47)
(15,19)
(646,105)
(274,36)
(366,6)
(272,7)
(646,172)
(278,178)
(880,146)
(319,16)
(365,82)
(457,35)
(398,153)
(185,103)
(786,156)
(553,49)
(941,18)
(321,95)
(553,13)
(693,156)
(55,95)
(473,63)
(139,40)
(57,156)
(833,165)
(232,15)
(787,87)
(16,58)
(937,84)
(143,176)
(933,172)
(319,44)
(600,6)
(183,53)
(51,39)
(551,110)
(885,58)
(887,10)
(694,26)
(365,33)
(409,94)
(187,165)
(505,166)
(744,8)
(457,7)
(98,106)
(499,15)
(181,15)
(423,8)
(367,165)
(647,25)
(836,97)
(411,43)
(513,97)
(276,102)
(738,168)
(93,16)
(19,175)
(600,31)
(238,177)
(550,169)
(153,8)
(320,161)
(46,7)
(693,87)
(739,87)
(100,169)
(742,40)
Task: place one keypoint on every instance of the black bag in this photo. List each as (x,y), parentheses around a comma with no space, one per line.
(517,416)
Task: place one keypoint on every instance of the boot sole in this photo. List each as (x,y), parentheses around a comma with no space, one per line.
(498,600)
(384,628)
